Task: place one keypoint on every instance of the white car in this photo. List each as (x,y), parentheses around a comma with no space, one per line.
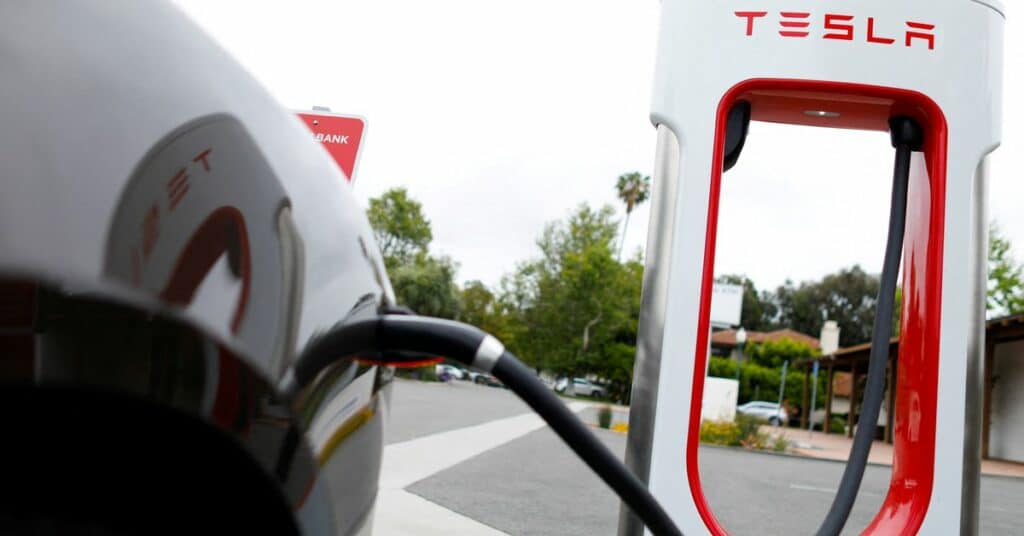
(769,411)
(453,371)
(582,387)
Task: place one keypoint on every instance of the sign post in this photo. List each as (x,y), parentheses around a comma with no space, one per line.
(814,400)
(828,341)
(782,391)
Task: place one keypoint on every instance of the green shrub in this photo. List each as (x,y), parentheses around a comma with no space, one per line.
(750,431)
(762,383)
(427,373)
(837,426)
(604,417)
(743,432)
(721,367)
(720,433)
(749,425)
(771,354)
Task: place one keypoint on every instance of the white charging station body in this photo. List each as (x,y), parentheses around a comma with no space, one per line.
(827,64)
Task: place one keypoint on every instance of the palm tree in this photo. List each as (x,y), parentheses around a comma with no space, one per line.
(633,189)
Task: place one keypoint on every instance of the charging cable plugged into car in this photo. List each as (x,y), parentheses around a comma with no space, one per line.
(110,272)
(398,337)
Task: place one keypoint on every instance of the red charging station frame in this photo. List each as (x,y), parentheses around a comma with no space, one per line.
(862,107)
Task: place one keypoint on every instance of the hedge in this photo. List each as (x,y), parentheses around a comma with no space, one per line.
(762,383)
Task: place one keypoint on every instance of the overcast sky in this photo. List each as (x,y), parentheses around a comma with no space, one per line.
(502,116)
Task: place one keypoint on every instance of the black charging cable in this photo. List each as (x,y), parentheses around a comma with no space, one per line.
(396,338)
(907,137)
(404,338)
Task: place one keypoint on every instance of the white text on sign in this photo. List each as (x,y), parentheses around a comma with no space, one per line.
(331,138)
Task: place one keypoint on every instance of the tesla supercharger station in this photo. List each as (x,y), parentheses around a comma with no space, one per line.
(829,64)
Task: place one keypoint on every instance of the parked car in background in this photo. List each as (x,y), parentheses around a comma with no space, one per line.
(452,371)
(583,387)
(487,379)
(769,411)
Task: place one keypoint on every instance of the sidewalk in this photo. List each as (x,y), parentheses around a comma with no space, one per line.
(837,447)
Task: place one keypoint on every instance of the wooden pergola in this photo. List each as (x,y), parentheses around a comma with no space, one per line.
(855,361)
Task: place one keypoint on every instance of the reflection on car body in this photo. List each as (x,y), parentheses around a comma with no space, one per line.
(163,265)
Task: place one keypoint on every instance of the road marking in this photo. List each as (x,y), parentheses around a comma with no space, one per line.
(812,488)
(411,461)
(408,462)
(400,512)
(830,491)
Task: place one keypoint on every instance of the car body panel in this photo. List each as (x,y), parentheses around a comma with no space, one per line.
(144,169)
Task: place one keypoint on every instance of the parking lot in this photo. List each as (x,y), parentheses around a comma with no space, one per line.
(532,484)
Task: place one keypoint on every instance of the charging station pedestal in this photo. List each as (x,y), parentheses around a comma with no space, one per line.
(840,65)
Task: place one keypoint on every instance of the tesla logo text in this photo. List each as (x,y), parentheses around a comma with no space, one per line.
(798,24)
(178,185)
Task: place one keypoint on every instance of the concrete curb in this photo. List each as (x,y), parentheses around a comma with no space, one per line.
(843,462)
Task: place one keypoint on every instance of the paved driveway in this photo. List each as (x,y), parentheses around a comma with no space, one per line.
(423,408)
(533,484)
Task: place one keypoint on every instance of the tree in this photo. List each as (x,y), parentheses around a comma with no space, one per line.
(633,189)
(476,303)
(427,286)
(424,283)
(772,354)
(759,310)
(573,310)
(762,383)
(848,296)
(584,230)
(401,230)
(1005,291)
(480,307)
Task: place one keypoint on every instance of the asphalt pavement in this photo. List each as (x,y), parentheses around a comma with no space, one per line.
(535,485)
(423,408)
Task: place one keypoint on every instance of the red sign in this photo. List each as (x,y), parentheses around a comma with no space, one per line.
(340,135)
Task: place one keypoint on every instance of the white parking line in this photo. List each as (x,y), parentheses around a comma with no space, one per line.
(401,512)
(830,491)
(411,461)
(812,488)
